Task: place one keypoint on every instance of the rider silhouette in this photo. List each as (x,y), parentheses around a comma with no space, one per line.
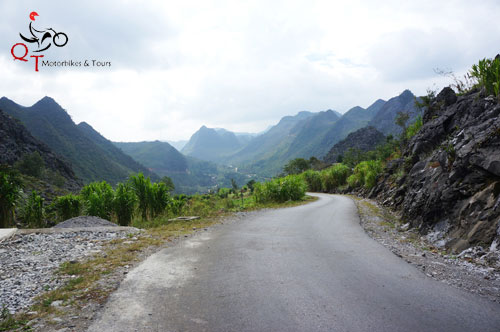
(39,37)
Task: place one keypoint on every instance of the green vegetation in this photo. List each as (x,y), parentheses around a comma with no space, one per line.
(296,166)
(288,188)
(365,174)
(67,207)
(10,189)
(413,129)
(487,74)
(31,164)
(124,204)
(334,176)
(98,199)
(33,212)
(313,180)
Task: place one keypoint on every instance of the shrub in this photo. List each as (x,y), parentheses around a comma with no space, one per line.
(98,199)
(68,206)
(178,203)
(334,176)
(124,204)
(291,187)
(33,211)
(487,74)
(10,189)
(313,180)
(365,174)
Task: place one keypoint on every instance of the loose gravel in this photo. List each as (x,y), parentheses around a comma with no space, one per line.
(85,221)
(28,261)
(476,270)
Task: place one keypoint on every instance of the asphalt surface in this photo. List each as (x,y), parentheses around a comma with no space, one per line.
(307,268)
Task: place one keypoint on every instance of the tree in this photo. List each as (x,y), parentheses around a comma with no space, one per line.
(10,189)
(250,185)
(234,185)
(401,119)
(169,183)
(296,166)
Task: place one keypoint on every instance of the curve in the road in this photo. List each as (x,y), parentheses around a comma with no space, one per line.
(306,268)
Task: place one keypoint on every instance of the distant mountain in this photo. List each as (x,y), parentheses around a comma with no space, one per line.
(310,134)
(354,119)
(190,175)
(16,143)
(274,141)
(211,144)
(386,116)
(301,140)
(93,157)
(243,138)
(364,139)
(117,155)
(178,145)
(161,157)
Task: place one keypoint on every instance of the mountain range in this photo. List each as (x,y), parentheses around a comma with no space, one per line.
(212,156)
(304,135)
(91,156)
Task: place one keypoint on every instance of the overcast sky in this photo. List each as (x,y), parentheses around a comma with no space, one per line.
(239,65)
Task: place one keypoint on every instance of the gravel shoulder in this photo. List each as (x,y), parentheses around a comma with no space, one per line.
(30,261)
(476,270)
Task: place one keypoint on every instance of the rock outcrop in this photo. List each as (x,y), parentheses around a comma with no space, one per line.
(448,182)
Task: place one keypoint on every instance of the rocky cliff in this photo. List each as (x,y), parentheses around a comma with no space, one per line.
(448,182)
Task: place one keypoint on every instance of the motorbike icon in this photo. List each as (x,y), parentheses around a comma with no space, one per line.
(41,37)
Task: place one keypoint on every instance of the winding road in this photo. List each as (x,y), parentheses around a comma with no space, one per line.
(306,268)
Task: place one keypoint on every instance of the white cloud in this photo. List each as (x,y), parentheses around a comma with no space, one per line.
(239,65)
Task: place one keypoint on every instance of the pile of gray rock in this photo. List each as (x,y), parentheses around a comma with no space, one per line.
(28,261)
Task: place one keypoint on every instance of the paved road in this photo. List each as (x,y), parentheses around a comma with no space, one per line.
(307,268)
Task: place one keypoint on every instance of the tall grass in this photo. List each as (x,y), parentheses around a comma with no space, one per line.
(124,204)
(141,186)
(33,211)
(98,199)
(487,73)
(68,206)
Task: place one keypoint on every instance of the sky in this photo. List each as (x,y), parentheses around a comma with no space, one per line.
(239,65)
